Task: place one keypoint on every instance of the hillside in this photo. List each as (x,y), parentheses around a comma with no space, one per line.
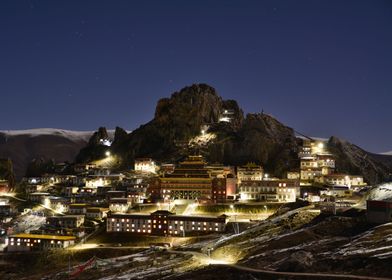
(22,146)
(354,160)
(197,120)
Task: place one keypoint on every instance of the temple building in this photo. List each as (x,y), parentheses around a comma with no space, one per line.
(190,180)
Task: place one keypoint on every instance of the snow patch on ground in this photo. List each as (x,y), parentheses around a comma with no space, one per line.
(380,192)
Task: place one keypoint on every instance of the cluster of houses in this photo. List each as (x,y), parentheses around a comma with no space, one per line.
(95,193)
(317,166)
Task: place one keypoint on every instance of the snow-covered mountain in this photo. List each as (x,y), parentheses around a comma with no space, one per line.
(22,146)
(70,134)
(387,153)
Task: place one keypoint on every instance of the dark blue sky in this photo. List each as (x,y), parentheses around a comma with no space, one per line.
(322,67)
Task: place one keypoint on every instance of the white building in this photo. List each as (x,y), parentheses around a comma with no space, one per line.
(145,165)
(38,242)
(250,172)
(282,190)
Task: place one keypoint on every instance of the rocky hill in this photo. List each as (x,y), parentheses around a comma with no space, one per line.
(23,146)
(197,120)
(197,112)
(354,160)
(193,120)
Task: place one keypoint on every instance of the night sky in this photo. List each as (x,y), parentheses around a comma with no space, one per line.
(321,67)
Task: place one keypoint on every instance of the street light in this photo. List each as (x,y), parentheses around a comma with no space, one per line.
(321,145)
(107,153)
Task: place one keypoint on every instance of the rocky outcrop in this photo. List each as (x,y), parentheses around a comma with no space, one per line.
(261,139)
(354,160)
(95,149)
(258,138)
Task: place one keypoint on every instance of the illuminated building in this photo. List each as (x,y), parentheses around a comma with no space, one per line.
(39,197)
(190,180)
(120,205)
(342,180)
(282,190)
(145,165)
(293,175)
(38,242)
(165,223)
(250,172)
(96,213)
(77,208)
(66,221)
(227,115)
(84,167)
(316,161)
(219,189)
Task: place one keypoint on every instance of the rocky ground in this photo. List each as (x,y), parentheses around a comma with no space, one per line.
(297,241)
